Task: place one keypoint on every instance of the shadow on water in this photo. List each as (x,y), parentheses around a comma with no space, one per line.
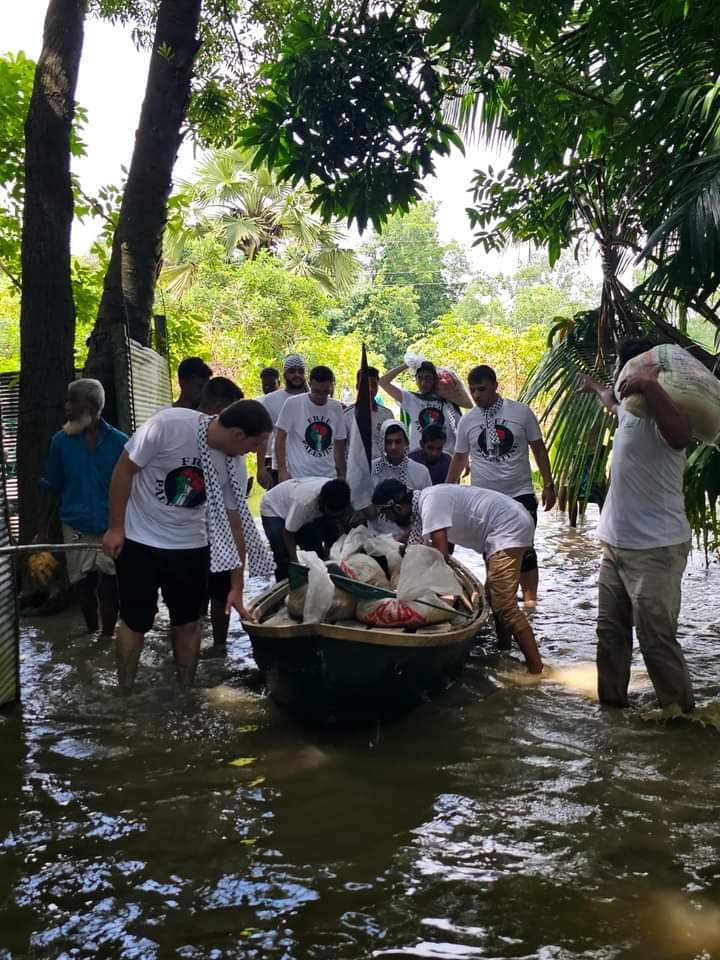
(509,819)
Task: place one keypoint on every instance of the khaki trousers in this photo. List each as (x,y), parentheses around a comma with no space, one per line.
(641,588)
(501,585)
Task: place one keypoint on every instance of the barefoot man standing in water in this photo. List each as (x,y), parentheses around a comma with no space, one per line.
(645,537)
(174,480)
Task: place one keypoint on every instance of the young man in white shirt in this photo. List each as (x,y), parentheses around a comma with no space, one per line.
(309,513)
(157,530)
(489,523)
(274,401)
(423,407)
(497,436)
(395,464)
(311,431)
(645,538)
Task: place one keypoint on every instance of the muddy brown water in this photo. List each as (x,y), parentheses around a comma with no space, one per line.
(505,820)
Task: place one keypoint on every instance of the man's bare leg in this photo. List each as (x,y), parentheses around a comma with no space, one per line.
(109,602)
(129,646)
(529,586)
(186,645)
(525,639)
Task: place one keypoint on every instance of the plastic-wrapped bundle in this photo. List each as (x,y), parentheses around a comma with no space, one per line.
(691,387)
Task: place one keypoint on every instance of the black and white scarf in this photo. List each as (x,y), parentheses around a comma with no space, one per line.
(223,552)
(415,535)
(382,469)
(492,441)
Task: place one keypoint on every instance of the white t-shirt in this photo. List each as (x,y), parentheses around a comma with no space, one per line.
(378,417)
(311,434)
(166,508)
(645,506)
(424,412)
(294,501)
(418,475)
(507,471)
(482,520)
(273,403)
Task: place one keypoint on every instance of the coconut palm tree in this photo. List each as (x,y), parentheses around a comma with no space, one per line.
(250,211)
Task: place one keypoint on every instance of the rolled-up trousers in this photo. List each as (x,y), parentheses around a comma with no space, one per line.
(641,588)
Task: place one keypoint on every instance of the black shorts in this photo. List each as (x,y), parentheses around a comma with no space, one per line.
(219,585)
(529,560)
(181,575)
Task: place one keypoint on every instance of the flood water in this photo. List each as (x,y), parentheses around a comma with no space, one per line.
(506,820)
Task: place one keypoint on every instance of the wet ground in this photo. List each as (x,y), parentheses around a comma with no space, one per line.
(506,820)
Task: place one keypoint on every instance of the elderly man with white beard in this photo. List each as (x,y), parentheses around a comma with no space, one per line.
(80,463)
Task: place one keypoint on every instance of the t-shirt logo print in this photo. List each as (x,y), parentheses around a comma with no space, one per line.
(185,487)
(506,440)
(318,437)
(430,415)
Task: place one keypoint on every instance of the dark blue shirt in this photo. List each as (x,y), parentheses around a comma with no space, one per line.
(438,470)
(81,476)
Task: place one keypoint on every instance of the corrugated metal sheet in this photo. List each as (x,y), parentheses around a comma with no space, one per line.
(9,405)
(9,653)
(150,385)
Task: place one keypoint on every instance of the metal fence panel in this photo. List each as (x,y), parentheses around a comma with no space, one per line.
(9,652)
(9,404)
(150,385)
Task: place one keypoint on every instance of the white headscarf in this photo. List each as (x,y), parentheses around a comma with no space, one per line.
(382,469)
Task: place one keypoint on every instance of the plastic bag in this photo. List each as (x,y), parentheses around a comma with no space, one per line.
(385,545)
(449,386)
(403,613)
(320,588)
(413,360)
(365,569)
(349,543)
(424,570)
(691,387)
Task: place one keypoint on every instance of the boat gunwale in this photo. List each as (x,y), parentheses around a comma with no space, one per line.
(393,637)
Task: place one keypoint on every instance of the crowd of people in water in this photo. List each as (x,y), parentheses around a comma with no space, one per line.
(166,510)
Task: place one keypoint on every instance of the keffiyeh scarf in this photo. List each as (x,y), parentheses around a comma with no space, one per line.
(415,535)
(223,552)
(384,470)
(492,441)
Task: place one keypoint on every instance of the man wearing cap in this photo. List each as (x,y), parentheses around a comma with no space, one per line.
(295,383)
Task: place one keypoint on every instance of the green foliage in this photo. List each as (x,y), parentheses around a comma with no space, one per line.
(361,86)
(461,344)
(16,81)
(246,314)
(411,279)
(250,211)
(387,316)
(9,326)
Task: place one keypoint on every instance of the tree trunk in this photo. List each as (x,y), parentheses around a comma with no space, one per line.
(136,257)
(47,312)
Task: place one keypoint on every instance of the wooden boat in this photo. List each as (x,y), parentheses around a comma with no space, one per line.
(331,671)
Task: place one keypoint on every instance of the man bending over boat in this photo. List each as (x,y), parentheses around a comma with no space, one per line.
(490,523)
(308,513)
